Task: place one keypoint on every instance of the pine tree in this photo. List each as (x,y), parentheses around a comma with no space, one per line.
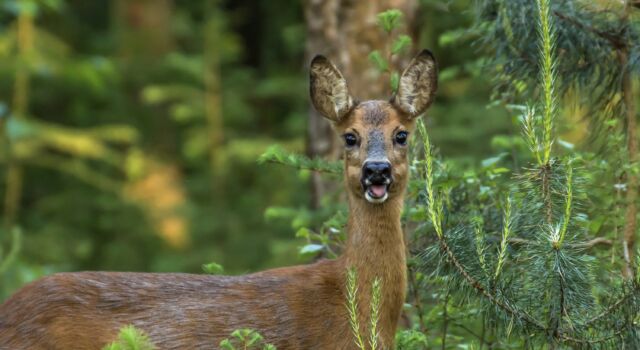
(598,64)
(523,256)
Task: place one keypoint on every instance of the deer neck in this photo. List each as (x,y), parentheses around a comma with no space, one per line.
(375,248)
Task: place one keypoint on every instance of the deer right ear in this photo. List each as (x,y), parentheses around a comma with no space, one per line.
(418,84)
(329,92)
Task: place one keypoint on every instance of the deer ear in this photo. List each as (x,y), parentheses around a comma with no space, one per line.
(329,91)
(417,85)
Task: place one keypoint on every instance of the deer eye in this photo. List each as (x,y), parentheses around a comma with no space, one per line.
(350,139)
(401,138)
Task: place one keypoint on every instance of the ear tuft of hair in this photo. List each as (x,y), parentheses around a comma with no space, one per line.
(329,91)
(418,85)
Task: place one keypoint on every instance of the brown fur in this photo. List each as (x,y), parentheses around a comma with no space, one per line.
(300,307)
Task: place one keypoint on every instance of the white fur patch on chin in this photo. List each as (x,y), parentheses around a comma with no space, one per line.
(376,200)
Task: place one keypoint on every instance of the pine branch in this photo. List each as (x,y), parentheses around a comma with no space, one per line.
(352,307)
(276,154)
(376,295)
(613,307)
(521,315)
(506,306)
(582,245)
(547,75)
(613,40)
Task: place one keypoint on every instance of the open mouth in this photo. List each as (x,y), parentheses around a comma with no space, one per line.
(377,193)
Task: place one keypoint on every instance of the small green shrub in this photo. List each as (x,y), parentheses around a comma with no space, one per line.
(374,316)
(131,338)
(245,339)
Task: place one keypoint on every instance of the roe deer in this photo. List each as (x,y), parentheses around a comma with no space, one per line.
(300,307)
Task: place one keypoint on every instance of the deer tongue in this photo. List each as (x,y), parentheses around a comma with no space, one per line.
(378,190)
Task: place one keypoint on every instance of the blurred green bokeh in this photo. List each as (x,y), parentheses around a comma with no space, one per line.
(125,166)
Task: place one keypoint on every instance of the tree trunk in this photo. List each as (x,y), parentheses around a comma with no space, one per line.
(630,216)
(143,28)
(346,31)
(143,33)
(213,95)
(630,224)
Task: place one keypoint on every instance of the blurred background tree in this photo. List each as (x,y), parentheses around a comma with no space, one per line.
(134,126)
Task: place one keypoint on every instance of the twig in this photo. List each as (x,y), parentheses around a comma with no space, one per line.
(582,245)
(479,336)
(613,306)
(478,286)
(614,40)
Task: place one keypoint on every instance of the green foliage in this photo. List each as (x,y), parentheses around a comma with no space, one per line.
(374,311)
(535,279)
(389,20)
(12,255)
(585,36)
(400,44)
(130,338)
(434,205)
(213,268)
(352,307)
(275,154)
(547,75)
(109,114)
(411,340)
(245,339)
(379,62)
(506,231)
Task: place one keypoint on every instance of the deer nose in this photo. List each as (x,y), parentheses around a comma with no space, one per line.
(377,172)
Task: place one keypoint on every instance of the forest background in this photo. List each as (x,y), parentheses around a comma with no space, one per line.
(142,135)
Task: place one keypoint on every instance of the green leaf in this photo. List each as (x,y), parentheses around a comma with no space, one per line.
(389,20)
(226,345)
(449,73)
(255,338)
(272,213)
(303,232)
(213,268)
(311,249)
(493,160)
(453,36)
(380,63)
(411,339)
(276,154)
(565,144)
(401,43)
(130,338)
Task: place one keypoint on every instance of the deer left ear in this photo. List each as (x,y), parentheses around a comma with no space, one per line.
(418,84)
(329,91)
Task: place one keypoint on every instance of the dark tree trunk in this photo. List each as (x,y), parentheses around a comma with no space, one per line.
(142,29)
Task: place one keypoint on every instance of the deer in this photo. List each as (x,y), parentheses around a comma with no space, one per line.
(299,307)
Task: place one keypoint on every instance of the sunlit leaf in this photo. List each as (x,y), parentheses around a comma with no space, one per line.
(311,249)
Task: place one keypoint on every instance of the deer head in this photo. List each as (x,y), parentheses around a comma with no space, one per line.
(375,132)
